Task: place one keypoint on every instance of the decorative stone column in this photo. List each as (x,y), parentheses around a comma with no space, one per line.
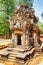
(15,40)
(23,41)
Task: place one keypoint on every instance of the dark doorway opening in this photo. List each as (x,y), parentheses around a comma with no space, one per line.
(18,39)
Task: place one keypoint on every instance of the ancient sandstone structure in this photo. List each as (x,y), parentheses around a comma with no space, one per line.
(23,25)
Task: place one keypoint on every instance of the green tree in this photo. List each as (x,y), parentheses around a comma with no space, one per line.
(19,2)
(42,15)
(7,8)
(40,26)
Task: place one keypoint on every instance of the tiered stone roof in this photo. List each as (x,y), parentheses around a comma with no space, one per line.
(23,16)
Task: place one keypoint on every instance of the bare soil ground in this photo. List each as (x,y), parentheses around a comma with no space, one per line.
(37,59)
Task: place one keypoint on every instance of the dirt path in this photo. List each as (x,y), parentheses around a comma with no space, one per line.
(37,59)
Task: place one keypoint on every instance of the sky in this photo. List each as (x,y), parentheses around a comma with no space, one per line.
(38,6)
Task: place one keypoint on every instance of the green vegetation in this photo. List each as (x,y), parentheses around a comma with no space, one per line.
(19,2)
(7,8)
(42,15)
(40,26)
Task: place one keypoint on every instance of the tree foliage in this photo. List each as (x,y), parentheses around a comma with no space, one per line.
(19,2)
(7,8)
(40,26)
(42,15)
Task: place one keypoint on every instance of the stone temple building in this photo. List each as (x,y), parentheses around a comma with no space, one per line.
(23,25)
(25,36)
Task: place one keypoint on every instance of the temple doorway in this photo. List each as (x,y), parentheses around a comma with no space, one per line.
(18,39)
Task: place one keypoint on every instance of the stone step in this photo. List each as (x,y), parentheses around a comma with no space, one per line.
(11,60)
(21,55)
(11,57)
(12,54)
(19,61)
(17,49)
